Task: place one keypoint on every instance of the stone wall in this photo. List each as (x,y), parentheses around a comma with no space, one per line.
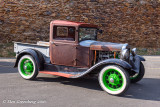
(134,21)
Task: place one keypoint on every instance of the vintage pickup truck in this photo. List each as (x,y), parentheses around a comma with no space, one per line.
(73,52)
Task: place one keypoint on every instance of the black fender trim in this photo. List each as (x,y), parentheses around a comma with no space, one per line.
(106,62)
(141,58)
(38,57)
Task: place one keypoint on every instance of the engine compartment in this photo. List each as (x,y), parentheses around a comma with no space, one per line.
(102,55)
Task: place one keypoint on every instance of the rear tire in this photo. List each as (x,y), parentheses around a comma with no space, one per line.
(114,80)
(138,76)
(27,67)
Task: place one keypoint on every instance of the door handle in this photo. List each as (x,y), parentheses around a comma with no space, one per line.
(53,43)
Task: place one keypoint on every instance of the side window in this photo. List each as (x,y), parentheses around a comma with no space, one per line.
(64,33)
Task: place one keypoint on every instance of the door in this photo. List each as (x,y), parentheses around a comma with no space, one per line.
(63,54)
(63,46)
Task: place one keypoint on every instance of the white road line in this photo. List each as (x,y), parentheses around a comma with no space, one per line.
(152,68)
(153,60)
(8,60)
(152,57)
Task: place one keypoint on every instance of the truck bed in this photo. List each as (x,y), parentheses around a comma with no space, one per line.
(41,46)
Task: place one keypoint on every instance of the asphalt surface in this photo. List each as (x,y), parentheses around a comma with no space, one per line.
(51,91)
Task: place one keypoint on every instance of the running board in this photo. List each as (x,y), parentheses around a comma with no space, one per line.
(62,74)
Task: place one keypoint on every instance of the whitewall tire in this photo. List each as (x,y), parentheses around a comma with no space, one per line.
(27,67)
(114,80)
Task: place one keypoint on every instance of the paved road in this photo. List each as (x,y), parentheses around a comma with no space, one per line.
(48,90)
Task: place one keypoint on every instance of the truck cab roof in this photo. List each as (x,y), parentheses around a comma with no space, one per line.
(71,23)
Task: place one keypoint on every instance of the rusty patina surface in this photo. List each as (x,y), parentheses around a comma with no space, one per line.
(102,46)
(106,46)
(71,23)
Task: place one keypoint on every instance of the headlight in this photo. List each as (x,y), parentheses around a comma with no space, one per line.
(134,51)
(124,46)
(125,54)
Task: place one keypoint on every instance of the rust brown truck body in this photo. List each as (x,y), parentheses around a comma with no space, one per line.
(66,52)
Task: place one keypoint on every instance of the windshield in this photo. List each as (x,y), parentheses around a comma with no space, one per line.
(87,34)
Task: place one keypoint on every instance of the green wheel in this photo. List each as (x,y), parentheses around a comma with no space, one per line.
(27,67)
(138,76)
(114,80)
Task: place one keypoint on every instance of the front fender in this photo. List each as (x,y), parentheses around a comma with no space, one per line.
(103,63)
(141,58)
(118,62)
(34,53)
(135,62)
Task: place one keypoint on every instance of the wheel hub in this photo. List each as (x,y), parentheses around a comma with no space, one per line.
(28,67)
(25,67)
(112,80)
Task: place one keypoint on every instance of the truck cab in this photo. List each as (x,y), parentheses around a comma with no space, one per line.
(73,52)
(65,38)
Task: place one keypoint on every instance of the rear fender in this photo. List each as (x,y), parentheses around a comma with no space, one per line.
(38,57)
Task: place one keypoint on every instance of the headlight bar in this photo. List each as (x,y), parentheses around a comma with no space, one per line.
(133,51)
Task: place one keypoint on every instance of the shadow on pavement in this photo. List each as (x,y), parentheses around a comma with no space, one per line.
(146,89)
(89,83)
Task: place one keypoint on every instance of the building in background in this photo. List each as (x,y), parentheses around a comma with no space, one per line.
(134,21)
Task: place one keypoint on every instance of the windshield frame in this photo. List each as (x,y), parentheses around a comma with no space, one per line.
(89,28)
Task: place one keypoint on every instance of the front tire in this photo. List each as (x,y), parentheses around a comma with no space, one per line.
(27,67)
(114,80)
(138,76)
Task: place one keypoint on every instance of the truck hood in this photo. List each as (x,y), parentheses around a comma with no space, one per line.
(103,46)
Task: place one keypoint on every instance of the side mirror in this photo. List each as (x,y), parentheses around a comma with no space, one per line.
(100,31)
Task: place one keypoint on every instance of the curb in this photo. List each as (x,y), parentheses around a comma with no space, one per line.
(7,59)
